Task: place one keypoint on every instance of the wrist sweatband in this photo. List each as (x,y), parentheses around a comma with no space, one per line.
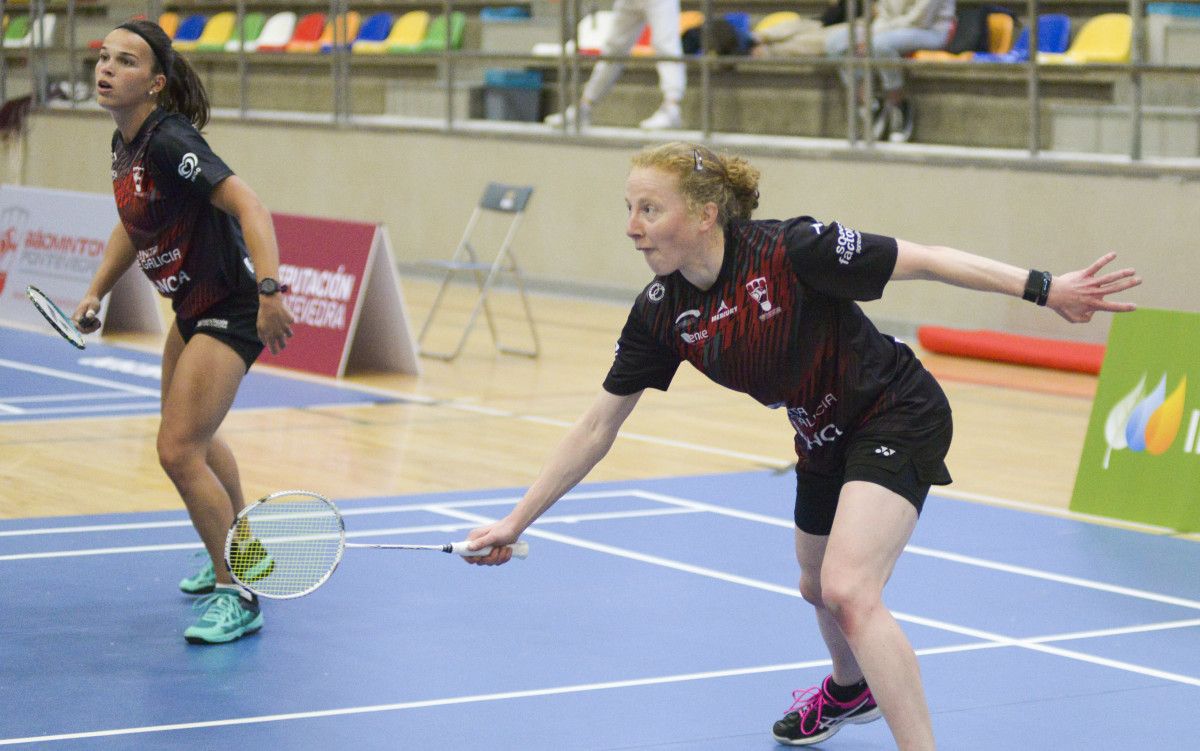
(1037,286)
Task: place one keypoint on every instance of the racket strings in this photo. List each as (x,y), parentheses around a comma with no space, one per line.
(287,546)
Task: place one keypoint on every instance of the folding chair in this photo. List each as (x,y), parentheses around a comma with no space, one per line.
(500,199)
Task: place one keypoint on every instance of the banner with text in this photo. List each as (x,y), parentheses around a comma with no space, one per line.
(1141,457)
(54,240)
(345,296)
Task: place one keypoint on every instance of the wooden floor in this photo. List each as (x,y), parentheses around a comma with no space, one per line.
(488,420)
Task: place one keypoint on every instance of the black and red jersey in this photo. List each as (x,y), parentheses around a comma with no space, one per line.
(163,181)
(781,324)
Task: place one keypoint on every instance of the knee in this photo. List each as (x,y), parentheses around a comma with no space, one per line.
(176,456)
(810,588)
(849,601)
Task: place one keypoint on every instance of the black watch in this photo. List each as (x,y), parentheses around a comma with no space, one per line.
(270,287)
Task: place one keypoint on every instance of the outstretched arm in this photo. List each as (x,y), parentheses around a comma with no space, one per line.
(1075,295)
(119,255)
(584,445)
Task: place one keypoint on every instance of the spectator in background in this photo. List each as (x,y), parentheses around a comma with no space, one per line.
(802,36)
(899,27)
(629,17)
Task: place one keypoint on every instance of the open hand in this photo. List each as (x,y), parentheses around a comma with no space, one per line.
(1077,295)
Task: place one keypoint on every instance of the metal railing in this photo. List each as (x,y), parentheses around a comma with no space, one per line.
(570,69)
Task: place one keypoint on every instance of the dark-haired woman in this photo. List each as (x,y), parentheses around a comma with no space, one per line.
(768,308)
(205,241)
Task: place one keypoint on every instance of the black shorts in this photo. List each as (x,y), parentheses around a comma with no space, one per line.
(233,321)
(905,462)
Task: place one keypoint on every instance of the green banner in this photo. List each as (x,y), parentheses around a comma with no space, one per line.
(1141,459)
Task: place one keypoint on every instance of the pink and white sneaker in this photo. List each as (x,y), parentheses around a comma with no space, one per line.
(815,715)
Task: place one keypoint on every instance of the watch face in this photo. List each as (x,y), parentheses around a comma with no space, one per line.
(268,287)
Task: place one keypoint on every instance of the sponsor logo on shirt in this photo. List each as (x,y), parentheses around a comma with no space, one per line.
(656,292)
(724,311)
(758,290)
(136,174)
(686,321)
(814,428)
(189,167)
(849,244)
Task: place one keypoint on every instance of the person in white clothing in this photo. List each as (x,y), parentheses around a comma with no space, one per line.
(898,28)
(629,18)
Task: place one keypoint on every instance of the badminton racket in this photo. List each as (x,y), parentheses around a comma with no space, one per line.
(288,543)
(54,315)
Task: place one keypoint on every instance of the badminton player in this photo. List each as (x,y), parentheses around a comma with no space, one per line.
(205,241)
(768,308)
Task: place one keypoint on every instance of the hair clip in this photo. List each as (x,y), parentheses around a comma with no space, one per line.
(699,160)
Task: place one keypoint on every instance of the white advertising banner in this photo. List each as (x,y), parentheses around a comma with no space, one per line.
(54,240)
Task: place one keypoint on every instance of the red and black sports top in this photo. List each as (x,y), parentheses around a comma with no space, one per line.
(780,324)
(163,181)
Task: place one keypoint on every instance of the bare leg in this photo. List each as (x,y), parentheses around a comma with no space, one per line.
(870,530)
(810,551)
(201,380)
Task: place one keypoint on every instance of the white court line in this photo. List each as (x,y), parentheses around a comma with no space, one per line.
(66,397)
(792,591)
(68,376)
(350,511)
(386,532)
(122,407)
(509,695)
(940,554)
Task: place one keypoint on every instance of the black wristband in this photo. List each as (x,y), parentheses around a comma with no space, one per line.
(1037,287)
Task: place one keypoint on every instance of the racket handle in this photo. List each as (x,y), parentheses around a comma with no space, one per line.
(520,549)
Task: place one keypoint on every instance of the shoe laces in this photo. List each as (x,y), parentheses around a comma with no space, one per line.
(219,607)
(808,703)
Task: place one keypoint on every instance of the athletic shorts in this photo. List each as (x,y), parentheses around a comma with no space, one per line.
(233,321)
(905,462)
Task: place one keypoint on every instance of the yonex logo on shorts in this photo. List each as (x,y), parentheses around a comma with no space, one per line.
(212,323)
(885,451)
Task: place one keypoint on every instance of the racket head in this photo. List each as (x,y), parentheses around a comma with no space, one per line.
(54,315)
(286,544)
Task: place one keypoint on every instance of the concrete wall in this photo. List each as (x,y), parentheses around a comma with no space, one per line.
(423,186)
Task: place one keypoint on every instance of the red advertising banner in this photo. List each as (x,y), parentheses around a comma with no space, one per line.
(345,296)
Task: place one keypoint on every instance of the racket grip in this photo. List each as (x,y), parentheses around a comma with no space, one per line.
(520,549)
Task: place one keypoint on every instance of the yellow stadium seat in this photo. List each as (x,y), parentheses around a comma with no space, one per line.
(1107,38)
(409,32)
(217,32)
(690,19)
(773,19)
(1000,36)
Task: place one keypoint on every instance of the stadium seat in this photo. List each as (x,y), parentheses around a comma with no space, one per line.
(1107,38)
(277,32)
(253,23)
(435,38)
(406,34)
(1054,32)
(169,22)
(1000,39)
(774,19)
(308,31)
(592,30)
(373,33)
(346,26)
(690,19)
(22,34)
(189,31)
(644,48)
(217,32)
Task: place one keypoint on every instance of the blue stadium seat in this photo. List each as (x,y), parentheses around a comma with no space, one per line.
(1054,34)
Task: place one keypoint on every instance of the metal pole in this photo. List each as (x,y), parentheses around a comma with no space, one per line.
(707,55)
(1137,57)
(449,64)
(1035,114)
(850,65)
(243,82)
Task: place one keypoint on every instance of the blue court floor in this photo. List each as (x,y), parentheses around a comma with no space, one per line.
(651,615)
(43,377)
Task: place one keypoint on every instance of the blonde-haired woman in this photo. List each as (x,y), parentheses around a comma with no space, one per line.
(767,308)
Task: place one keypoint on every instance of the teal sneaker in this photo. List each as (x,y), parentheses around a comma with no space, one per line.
(227,616)
(250,561)
(202,582)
